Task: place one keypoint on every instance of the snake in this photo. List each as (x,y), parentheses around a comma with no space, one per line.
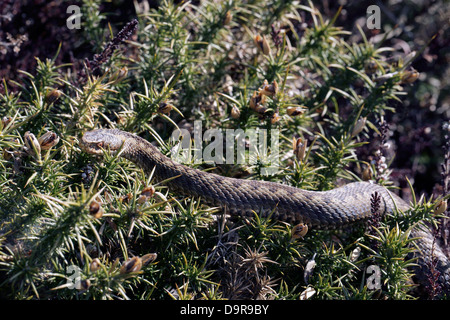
(332,209)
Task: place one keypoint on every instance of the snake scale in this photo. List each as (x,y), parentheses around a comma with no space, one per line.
(318,209)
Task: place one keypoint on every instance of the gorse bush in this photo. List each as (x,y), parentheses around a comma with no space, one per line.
(77,226)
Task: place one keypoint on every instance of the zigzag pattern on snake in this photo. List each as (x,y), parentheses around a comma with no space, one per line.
(322,210)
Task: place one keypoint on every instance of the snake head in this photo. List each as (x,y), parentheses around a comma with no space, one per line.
(97,141)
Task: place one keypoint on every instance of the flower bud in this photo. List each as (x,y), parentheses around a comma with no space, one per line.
(83,285)
(294,111)
(260,109)
(95,265)
(131,265)
(359,126)
(48,140)
(367,173)
(299,147)
(32,146)
(119,75)
(269,90)
(165,108)
(299,231)
(95,209)
(274,118)
(355,254)
(6,121)
(146,194)
(126,198)
(235,112)
(256,100)
(409,76)
(148,258)
(262,44)
(148,191)
(52,96)
(440,207)
(228,17)
(370,67)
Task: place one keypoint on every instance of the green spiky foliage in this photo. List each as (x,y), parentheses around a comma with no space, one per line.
(77,226)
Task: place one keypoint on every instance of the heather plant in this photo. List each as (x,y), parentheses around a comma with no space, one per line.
(77,226)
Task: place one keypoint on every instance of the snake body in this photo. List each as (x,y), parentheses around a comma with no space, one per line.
(318,209)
